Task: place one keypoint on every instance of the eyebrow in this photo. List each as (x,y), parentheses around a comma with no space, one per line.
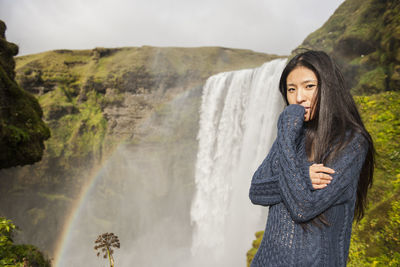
(306,81)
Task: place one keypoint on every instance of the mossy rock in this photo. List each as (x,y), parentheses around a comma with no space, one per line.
(255,245)
(371,82)
(22,131)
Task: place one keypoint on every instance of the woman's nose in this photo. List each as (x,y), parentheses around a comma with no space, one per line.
(300,96)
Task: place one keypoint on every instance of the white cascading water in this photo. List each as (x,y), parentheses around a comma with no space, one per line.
(144,193)
(238,117)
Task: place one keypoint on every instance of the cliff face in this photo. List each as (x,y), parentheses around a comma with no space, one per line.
(364,37)
(94,100)
(124,83)
(22,131)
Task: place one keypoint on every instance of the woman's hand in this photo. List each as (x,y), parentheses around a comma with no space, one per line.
(319,178)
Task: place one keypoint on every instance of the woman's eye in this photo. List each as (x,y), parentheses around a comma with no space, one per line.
(290,89)
(310,85)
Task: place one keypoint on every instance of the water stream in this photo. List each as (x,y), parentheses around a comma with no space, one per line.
(238,118)
(175,204)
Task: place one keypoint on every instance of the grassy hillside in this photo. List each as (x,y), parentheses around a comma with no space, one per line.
(376,239)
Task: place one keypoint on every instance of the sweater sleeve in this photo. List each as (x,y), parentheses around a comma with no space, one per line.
(264,188)
(302,202)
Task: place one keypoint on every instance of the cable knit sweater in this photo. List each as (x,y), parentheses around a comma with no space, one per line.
(283,183)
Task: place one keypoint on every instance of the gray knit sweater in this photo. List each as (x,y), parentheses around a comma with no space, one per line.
(283,183)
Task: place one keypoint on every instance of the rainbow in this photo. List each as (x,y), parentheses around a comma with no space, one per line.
(76,208)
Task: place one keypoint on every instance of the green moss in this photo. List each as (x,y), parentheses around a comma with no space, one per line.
(22,130)
(376,238)
(372,82)
(16,135)
(75,135)
(110,100)
(256,244)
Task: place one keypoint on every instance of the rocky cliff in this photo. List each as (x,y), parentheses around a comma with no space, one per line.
(22,131)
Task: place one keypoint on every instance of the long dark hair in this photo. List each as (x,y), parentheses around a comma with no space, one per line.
(335,112)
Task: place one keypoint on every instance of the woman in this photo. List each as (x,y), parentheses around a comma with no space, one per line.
(316,176)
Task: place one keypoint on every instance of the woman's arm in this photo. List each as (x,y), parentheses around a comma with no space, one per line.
(302,202)
(264,188)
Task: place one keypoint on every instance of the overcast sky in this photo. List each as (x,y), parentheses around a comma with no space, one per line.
(271,26)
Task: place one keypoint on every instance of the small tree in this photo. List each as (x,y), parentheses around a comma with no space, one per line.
(17,255)
(104,244)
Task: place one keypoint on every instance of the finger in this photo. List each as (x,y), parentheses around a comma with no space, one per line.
(320,181)
(323,176)
(328,170)
(322,168)
(317,164)
(319,186)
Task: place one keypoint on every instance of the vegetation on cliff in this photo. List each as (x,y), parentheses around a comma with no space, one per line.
(17,255)
(22,131)
(376,239)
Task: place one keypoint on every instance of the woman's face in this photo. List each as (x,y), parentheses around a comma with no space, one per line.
(301,84)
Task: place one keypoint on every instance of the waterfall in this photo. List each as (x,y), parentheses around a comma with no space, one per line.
(144,193)
(238,117)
